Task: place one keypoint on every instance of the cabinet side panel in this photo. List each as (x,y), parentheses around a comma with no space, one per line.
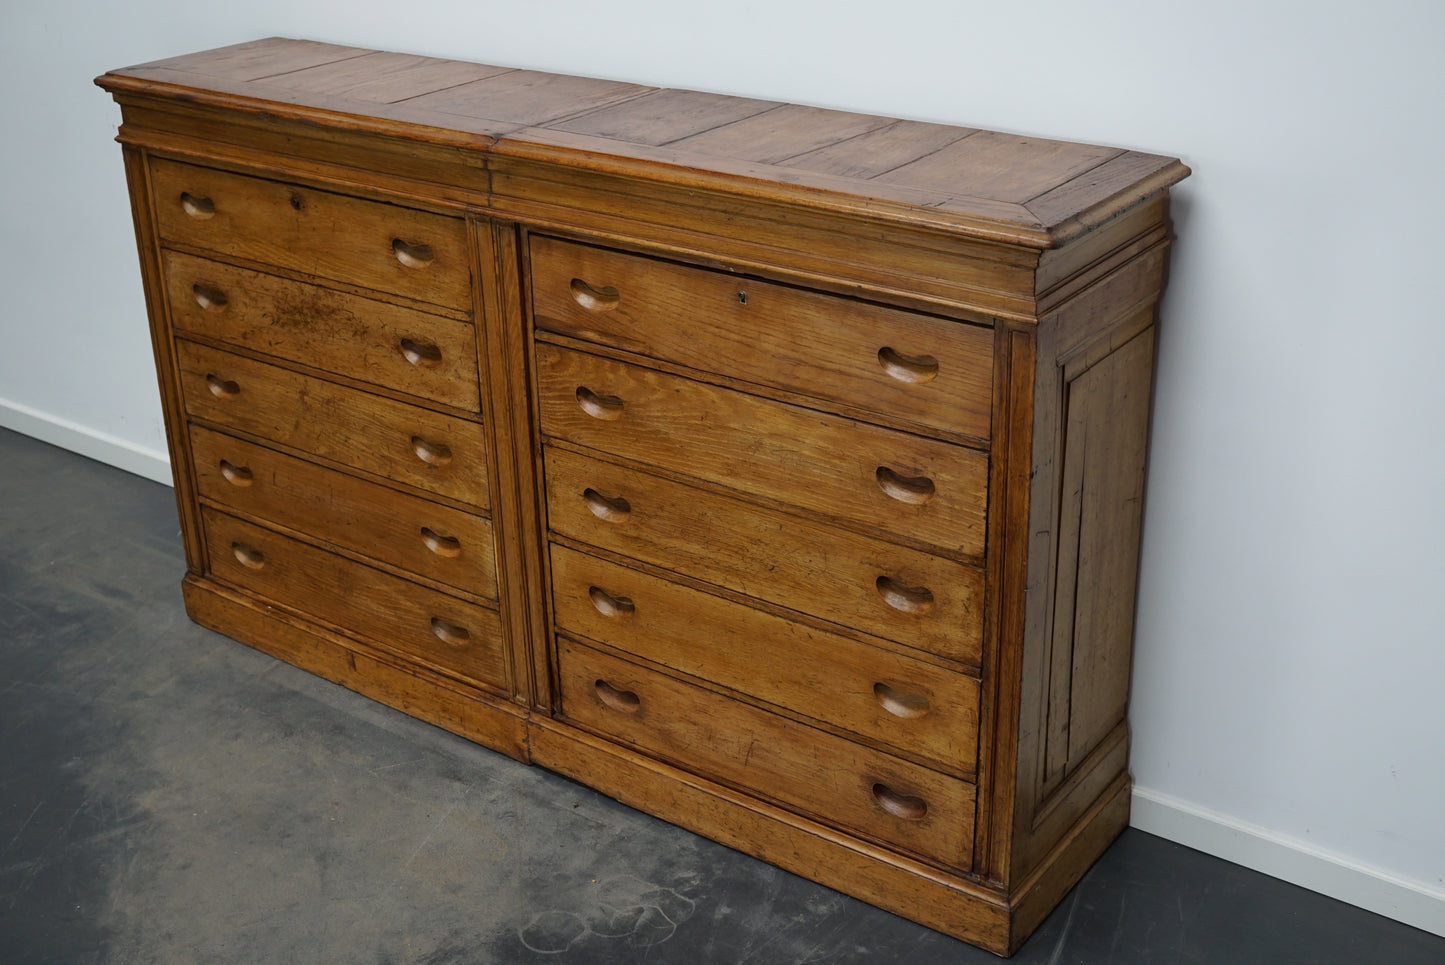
(1090,433)
(1109,408)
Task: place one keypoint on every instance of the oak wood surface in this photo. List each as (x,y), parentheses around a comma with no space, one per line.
(373,520)
(406,443)
(421,624)
(426,356)
(918,708)
(829,778)
(822,463)
(807,566)
(317,232)
(910,366)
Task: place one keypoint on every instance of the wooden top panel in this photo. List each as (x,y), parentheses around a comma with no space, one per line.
(1002,187)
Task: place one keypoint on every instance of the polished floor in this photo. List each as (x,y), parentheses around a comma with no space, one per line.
(170,796)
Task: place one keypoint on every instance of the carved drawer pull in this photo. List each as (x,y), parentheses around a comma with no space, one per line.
(413,255)
(905,489)
(248,556)
(614,509)
(211,299)
(608,407)
(431,453)
(450,633)
(900,704)
(448,546)
(424,355)
(222,388)
(904,806)
(624,701)
(197,207)
(594,299)
(236,475)
(905,599)
(917,369)
(608,605)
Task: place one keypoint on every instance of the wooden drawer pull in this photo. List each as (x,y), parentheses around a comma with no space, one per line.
(917,369)
(197,207)
(247,556)
(236,475)
(904,806)
(905,489)
(222,388)
(620,700)
(450,633)
(431,453)
(594,299)
(448,546)
(614,509)
(608,407)
(609,605)
(413,255)
(425,355)
(211,299)
(900,704)
(905,599)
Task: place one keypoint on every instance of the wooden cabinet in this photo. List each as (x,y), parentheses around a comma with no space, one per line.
(775,470)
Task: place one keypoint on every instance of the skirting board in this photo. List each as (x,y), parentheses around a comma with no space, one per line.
(1253,847)
(100,446)
(1259,849)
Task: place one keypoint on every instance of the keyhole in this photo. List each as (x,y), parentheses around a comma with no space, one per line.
(742,298)
(296,202)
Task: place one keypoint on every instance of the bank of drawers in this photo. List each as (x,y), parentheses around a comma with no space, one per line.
(328,366)
(767,509)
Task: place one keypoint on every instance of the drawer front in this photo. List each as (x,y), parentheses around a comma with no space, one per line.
(385,247)
(933,372)
(420,623)
(913,706)
(407,531)
(918,488)
(820,775)
(901,594)
(407,443)
(424,355)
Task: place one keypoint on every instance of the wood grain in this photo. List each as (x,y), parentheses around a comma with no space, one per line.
(914,707)
(807,459)
(327,330)
(381,523)
(934,372)
(391,612)
(316,232)
(825,777)
(809,567)
(406,443)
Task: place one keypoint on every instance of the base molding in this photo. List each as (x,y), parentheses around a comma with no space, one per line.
(1414,903)
(111,450)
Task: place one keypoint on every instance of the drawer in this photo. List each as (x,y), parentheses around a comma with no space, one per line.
(891,591)
(903,484)
(820,775)
(385,247)
(407,443)
(913,706)
(407,531)
(909,366)
(424,355)
(420,623)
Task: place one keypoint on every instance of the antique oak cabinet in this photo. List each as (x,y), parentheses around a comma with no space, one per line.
(775,470)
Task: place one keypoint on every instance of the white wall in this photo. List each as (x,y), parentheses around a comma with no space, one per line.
(1287,709)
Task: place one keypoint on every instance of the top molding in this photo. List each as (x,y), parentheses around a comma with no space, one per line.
(994,187)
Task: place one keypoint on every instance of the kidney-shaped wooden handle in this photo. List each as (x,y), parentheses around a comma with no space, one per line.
(905,806)
(624,701)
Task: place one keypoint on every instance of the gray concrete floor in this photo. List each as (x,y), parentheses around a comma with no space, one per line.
(168,795)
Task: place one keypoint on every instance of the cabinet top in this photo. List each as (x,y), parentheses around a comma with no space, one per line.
(1002,187)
